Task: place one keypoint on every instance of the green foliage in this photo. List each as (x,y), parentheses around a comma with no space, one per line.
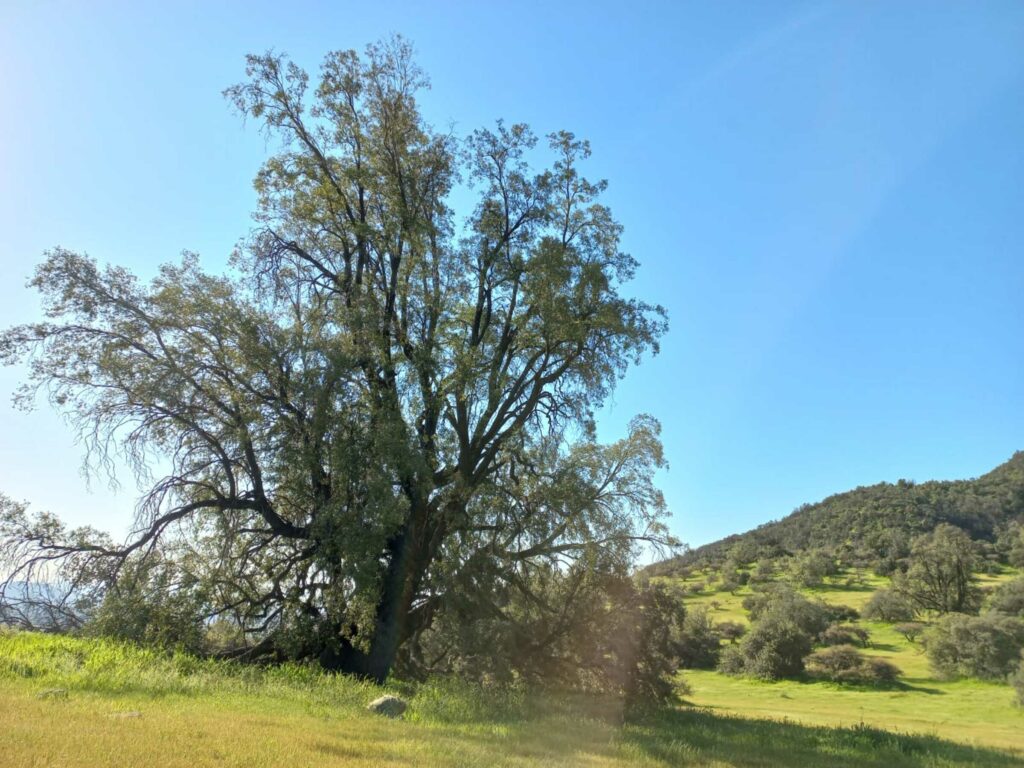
(700,642)
(730,630)
(941,576)
(889,605)
(764,571)
(743,552)
(732,580)
(585,627)
(782,601)
(844,634)
(388,403)
(986,647)
(774,648)
(877,523)
(154,603)
(1008,598)
(911,630)
(1010,543)
(846,664)
(813,566)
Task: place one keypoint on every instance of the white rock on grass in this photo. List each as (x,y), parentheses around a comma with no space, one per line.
(389,706)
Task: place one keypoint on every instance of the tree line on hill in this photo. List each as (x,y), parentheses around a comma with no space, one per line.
(874,526)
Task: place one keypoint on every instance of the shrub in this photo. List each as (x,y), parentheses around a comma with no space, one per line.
(732,661)
(699,643)
(764,571)
(811,616)
(832,663)
(1008,598)
(813,567)
(876,670)
(987,646)
(842,612)
(615,635)
(844,634)
(911,630)
(774,647)
(1017,681)
(846,664)
(887,605)
(731,580)
(152,603)
(730,630)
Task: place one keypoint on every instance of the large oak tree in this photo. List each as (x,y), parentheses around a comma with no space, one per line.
(384,400)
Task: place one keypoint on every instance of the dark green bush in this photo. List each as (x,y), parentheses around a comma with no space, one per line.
(730,630)
(811,616)
(699,643)
(732,661)
(987,647)
(774,648)
(839,612)
(1008,598)
(811,569)
(879,671)
(887,605)
(844,634)
(846,664)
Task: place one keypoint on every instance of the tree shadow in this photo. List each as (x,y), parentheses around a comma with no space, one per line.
(873,646)
(682,736)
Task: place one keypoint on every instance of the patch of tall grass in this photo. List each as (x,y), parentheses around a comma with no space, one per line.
(112,667)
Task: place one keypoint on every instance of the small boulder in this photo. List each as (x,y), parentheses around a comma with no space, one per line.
(53,693)
(389,706)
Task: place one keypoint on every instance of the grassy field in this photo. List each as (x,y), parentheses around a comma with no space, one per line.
(124,706)
(967,711)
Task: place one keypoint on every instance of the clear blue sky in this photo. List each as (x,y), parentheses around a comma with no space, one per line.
(828,197)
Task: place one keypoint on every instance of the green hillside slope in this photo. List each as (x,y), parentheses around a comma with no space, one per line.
(877,522)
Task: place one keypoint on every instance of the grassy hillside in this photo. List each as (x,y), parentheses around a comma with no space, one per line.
(970,711)
(130,707)
(879,520)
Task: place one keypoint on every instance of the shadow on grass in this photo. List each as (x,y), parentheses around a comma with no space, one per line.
(678,737)
(841,586)
(873,646)
(918,689)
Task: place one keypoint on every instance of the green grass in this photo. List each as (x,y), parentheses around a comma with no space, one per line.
(201,713)
(967,711)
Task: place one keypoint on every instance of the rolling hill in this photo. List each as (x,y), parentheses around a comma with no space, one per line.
(876,523)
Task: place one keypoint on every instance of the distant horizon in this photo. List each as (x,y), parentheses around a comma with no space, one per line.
(826,197)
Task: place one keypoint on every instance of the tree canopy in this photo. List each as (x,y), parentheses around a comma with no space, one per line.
(385,402)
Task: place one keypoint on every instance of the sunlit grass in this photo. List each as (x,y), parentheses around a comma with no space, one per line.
(130,707)
(971,712)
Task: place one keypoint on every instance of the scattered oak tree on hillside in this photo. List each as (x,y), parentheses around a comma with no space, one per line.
(941,574)
(384,404)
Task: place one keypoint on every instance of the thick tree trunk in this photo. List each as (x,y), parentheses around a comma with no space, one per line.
(409,556)
(397,594)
